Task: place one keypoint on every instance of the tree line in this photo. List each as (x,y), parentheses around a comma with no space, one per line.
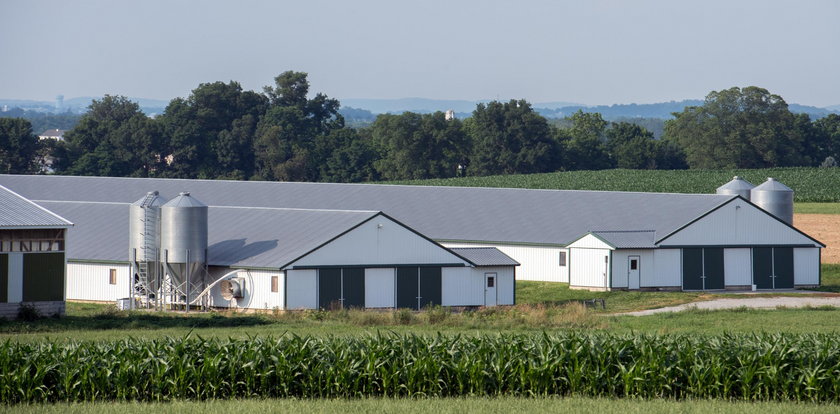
(221,131)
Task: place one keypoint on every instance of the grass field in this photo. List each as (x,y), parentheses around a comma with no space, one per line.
(542,306)
(816,208)
(503,405)
(810,183)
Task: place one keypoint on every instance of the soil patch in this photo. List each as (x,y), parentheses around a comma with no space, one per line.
(825,228)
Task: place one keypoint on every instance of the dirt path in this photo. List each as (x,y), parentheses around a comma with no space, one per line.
(825,228)
(754,302)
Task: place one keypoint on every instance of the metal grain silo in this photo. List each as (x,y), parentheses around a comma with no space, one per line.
(775,198)
(144,228)
(183,243)
(738,186)
(144,246)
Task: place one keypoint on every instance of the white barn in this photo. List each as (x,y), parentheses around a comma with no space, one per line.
(546,231)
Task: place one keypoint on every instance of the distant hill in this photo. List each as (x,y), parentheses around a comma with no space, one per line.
(79,105)
(423,105)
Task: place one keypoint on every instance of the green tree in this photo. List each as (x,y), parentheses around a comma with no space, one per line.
(510,138)
(345,156)
(827,131)
(415,146)
(738,128)
(211,133)
(585,142)
(114,138)
(18,146)
(631,146)
(286,134)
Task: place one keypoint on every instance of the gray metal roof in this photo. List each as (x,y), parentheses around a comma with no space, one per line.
(17,212)
(772,185)
(736,184)
(640,239)
(484,256)
(248,237)
(441,213)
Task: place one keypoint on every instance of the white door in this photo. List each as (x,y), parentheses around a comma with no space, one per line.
(633,268)
(490,281)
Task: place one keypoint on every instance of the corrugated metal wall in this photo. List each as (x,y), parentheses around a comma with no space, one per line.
(667,269)
(302,289)
(737,264)
(504,282)
(536,262)
(736,223)
(90,281)
(379,288)
(806,262)
(589,267)
(621,270)
(463,286)
(257,292)
(15,292)
(379,241)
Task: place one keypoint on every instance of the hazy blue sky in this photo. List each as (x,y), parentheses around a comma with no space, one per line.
(591,52)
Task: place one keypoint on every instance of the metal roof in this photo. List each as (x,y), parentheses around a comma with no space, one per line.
(639,239)
(736,184)
(247,237)
(18,212)
(484,256)
(772,185)
(504,215)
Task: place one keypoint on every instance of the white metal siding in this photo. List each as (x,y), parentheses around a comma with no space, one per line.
(504,283)
(257,292)
(621,267)
(302,288)
(591,242)
(737,267)
(90,281)
(540,263)
(667,264)
(588,267)
(737,223)
(379,241)
(379,288)
(15,285)
(462,286)
(806,266)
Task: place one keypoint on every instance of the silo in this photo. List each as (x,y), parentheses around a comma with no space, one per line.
(738,186)
(183,243)
(776,198)
(144,245)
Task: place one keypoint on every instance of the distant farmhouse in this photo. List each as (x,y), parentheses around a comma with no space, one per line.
(311,245)
(56,134)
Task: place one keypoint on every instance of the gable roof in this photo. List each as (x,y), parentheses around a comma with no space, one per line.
(18,212)
(632,239)
(502,215)
(244,237)
(484,256)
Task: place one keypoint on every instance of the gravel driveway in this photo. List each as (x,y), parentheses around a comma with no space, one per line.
(756,302)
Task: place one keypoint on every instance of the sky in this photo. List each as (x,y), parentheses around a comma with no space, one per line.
(594,52)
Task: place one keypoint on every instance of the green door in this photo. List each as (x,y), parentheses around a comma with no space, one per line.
(783,267)
(329,288)
(407,290)
(43,277)
(713,268)
(354,287)
(430,286)
(763,267)
(692,267)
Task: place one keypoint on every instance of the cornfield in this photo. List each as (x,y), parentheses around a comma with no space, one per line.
(810,184)
(732,367)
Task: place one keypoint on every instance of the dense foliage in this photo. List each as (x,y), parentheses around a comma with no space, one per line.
(783,367)
(286,133)
(811,184)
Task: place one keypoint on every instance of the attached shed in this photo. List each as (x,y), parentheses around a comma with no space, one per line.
(733,246)
(31,256)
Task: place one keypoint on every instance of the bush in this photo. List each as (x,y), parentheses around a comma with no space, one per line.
(28,313)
